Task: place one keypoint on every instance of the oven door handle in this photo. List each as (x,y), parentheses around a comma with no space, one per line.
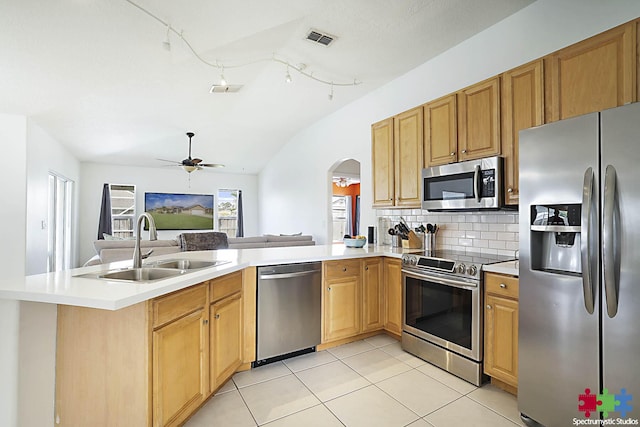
(443,281)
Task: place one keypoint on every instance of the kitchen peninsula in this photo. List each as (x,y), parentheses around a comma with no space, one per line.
(152,352)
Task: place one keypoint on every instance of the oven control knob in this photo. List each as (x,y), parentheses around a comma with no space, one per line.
(460,269)
(472,270)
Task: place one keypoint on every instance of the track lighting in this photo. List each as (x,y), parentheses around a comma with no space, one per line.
(331,93)
(287,78)
(167,43)
(223,81)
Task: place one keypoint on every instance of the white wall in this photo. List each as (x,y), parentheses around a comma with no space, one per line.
(299,170)
(46,155)
(13,174)
(166,180)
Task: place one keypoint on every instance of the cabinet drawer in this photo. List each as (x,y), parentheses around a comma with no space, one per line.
(178,304)
(500,284)
(343,268)
(226,285)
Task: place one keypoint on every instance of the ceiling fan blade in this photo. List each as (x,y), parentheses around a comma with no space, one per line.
(212,165)
(170,161)
(196,161)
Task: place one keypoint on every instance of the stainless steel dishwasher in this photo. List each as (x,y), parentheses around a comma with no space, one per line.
(288,318)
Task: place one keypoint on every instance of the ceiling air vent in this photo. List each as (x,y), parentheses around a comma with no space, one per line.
(320,37)
(225,89)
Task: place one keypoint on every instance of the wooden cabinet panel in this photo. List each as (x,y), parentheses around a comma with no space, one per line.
(501,285)
(225,285)
(501,339)
(226,339)
(179,374)
(177,304)
(593,75)
(408,142)
(522,107)
(372,294)
(382,164)
(479,120)
(393,295)
(441,131)
(341,299)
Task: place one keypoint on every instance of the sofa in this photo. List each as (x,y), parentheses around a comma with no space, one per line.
(119,250)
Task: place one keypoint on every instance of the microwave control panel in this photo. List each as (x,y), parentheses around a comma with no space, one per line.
(488,182)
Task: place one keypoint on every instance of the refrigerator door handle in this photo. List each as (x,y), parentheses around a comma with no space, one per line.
(608,241)
(585,240)
(476,183)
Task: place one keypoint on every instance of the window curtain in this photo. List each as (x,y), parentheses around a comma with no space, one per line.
(240,217)
(356,222)
(104,224)
(348,207)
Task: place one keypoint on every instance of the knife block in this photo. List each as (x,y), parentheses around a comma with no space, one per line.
(413,242)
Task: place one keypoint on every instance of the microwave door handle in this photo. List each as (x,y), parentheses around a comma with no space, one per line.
(585,240)
(476,183)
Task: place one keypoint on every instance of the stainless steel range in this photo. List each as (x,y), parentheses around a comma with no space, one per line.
(442,297)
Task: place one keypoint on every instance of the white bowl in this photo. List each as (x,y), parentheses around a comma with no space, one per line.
(355,243)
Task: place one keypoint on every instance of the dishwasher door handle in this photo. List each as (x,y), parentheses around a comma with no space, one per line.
(288,275)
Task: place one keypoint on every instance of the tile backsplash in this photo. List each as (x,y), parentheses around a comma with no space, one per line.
(484,232)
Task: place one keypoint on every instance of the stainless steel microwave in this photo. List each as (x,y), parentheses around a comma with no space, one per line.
(471,185)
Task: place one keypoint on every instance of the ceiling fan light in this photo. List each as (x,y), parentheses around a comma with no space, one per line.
(189,168)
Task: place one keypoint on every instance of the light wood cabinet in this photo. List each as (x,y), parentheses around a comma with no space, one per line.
(341,302)
(397,160)
(441,131)
(179,368)
(479,120)
(226,339)
(372,294)
(382,163)
(522,107)
(393,295)
(408,157)
(592,75)
(153,363)
(501,330)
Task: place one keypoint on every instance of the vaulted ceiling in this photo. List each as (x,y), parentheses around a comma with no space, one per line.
(98,77)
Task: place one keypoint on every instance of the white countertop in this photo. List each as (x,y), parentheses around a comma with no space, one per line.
(511,268)
(63,288)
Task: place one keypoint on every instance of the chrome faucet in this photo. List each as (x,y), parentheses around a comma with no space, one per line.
(153,235)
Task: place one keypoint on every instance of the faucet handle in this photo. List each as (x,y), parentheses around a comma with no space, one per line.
(146,255)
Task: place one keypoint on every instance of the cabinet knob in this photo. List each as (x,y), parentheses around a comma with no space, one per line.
(328,289)
(217,316)
(367,267)
(344,269)
(452,154)
(488,307)
(205,321)
(464,151)
(509,190)
(503,286)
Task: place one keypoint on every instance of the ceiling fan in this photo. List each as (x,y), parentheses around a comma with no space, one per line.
(190,164)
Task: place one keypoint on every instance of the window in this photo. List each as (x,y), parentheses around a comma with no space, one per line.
(228,211)
(59,218)
(123,209)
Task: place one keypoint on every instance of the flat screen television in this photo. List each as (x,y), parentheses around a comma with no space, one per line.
(174,211)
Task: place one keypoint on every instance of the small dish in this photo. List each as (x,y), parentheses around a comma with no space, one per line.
(355,243)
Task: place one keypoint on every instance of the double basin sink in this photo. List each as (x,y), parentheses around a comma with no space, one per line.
(156,270)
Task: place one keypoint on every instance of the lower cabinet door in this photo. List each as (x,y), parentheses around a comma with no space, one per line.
(179,380)
(226,339)
(393,295)
(501,339)
(341,317)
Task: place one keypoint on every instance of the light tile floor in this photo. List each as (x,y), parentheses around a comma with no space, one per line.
(366,383)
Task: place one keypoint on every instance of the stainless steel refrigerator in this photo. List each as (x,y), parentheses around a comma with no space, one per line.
(579,324)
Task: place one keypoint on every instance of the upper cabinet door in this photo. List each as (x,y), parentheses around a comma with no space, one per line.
(441,131)
(522,107)
(408,141)
(593,75)
(382,163)
(479,120)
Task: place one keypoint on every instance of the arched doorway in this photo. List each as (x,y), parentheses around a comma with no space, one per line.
(344,203)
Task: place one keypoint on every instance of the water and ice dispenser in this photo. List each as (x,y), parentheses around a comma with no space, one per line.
(555,238)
